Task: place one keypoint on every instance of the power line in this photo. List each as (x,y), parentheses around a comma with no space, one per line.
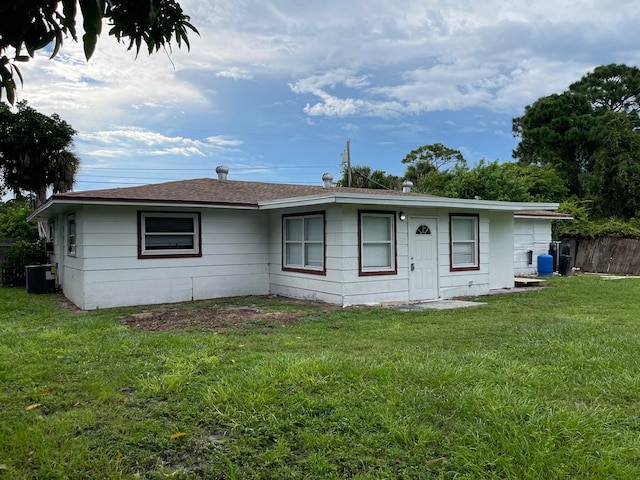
(205,169)
(84,175)
(115,184)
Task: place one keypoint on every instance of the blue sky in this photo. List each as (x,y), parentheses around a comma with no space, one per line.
(273,89)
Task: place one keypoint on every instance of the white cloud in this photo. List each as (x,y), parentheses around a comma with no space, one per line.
(330,79)
(223,141)
(107,87)
(235,73)
(135,135)
(179,151)
(108,153)
(142,143)
(415,57)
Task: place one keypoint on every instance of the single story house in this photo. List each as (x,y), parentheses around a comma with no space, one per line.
(207,238)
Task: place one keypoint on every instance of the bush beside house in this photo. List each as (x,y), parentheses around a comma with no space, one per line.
(19,244)
(16,257)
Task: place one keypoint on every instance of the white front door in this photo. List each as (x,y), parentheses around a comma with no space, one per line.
(423,258)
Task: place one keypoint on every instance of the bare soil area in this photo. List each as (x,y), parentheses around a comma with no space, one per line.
(219,317)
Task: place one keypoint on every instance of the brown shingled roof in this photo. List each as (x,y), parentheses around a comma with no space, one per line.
(212,191)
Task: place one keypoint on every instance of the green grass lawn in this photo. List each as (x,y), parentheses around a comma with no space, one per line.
(540,385)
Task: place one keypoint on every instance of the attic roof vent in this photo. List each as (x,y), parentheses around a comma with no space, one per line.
(327,180)
(222,172)
(407,185)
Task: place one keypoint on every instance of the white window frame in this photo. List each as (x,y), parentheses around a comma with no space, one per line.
(389,243)
(72,235)
(302,241)
(144,252)
(470,244)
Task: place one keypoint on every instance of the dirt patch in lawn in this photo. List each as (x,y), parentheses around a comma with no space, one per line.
(220,317)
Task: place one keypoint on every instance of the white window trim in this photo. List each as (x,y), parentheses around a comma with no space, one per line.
(304,266)
(390,243)
(170,252)
(475,242)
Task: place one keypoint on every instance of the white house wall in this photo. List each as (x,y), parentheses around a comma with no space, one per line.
(530,234)
(465,282)
(234,260)
(69,269)
(242,255)
(373,289)
(343,285)
(501,250)
(324,288)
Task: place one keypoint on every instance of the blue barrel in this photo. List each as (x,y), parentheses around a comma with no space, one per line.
(545,265)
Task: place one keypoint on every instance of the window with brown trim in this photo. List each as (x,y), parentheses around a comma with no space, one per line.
(303,247)
(168,234)
(464,234)
(377,243)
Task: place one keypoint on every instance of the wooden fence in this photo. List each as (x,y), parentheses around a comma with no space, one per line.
(606,255)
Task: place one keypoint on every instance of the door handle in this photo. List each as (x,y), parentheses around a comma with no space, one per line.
(413,267)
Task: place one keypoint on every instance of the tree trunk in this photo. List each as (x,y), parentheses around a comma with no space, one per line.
(41,195)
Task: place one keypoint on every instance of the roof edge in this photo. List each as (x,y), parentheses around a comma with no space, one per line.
(406,201)
(54,201)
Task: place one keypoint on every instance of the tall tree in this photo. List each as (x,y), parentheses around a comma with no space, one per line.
(613,184)
(589,134)
(429,158)
(554,132)
(35,152)
(612,87)
(28,26)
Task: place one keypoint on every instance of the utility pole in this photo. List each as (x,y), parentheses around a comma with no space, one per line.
(346,160)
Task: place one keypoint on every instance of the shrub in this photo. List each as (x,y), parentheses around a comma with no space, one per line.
(13,221)
(584,226)
(17,257)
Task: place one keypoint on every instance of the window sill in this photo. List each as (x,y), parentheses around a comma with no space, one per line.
(464,269)
(150,256)
(304,270)
(373,273)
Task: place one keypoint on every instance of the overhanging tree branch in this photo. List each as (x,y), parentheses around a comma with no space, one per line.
(33,25)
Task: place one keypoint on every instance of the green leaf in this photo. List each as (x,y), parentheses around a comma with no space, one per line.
(92,11)
(17,70)
(69,11)
(58,43)
(9,87)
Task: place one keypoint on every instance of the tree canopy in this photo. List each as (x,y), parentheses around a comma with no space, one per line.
(28,26)
(428,159)
(495,181)
(443,171)
(13,220)
(364,177)
(590,135)
(612,87)
(36,152)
